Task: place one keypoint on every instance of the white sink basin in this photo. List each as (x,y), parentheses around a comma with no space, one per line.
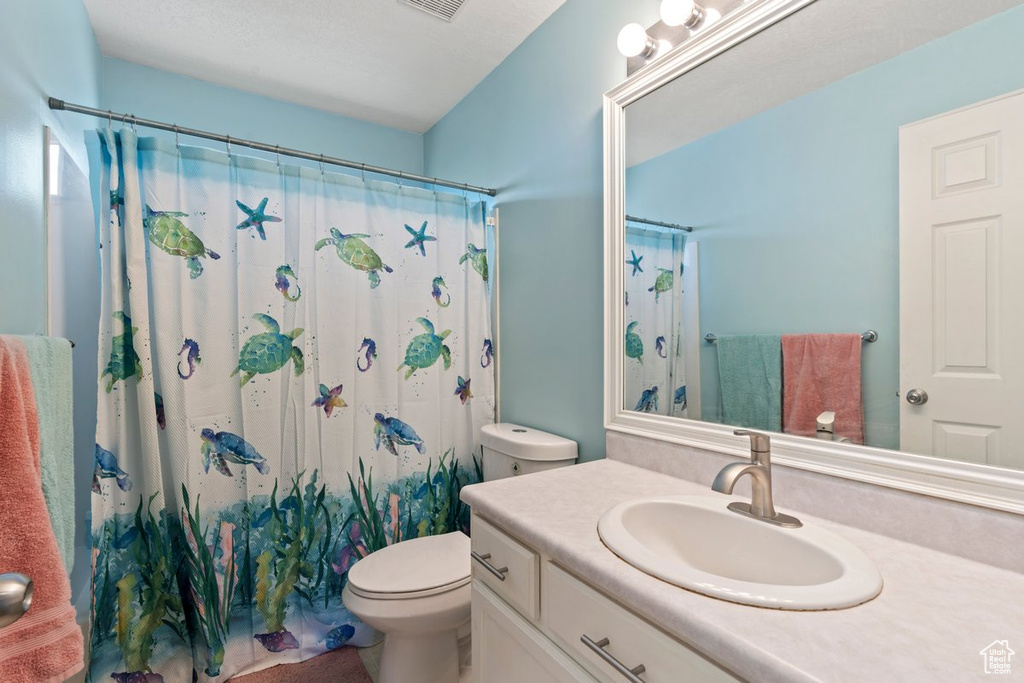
(696,543)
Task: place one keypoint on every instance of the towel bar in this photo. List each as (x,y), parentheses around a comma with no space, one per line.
(869,336)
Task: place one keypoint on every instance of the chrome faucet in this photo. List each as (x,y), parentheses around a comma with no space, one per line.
(760,470)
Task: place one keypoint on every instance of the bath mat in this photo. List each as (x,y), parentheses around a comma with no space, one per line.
(337,666)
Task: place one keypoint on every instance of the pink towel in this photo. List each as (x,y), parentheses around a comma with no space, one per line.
(822,372)
(46,643)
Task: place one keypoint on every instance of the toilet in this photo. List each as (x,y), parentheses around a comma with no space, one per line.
(417,592)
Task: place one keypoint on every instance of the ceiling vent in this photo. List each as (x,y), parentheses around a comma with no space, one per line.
(442,9)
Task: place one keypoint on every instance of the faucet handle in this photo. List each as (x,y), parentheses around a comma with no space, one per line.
(759,441)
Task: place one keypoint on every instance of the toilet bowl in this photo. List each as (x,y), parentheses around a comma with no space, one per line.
(417,593)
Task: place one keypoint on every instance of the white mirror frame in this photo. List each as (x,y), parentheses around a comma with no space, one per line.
(964,482)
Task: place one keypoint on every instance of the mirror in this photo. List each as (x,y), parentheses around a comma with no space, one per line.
(854,178)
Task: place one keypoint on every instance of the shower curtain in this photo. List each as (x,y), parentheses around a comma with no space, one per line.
(295,366)
(655,368)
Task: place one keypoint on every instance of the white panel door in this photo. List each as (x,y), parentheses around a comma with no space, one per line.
(962,283)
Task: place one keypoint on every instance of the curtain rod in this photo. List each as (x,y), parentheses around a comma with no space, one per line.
(263,147)
(647,221)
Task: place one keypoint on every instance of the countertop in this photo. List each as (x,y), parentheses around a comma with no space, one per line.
(935,614)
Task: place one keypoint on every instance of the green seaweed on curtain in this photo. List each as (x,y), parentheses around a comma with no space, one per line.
(211,579)
(300,535)
(146,598)
(370,519)
(102,602)
(446,512)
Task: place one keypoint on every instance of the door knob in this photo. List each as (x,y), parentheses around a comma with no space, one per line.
(917,397)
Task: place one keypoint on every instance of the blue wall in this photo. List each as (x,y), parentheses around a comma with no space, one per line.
(798,207)
(164,96)
(46,47)
(532,129)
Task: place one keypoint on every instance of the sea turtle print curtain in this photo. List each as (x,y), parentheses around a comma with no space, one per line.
(654,368)
(295,366)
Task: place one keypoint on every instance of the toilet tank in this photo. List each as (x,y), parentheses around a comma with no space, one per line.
(510,450)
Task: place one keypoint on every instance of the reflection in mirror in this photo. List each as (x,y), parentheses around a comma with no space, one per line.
(662,304)
(855,167)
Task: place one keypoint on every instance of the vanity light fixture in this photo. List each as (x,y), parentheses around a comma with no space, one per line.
(635,42)
(680,21)
(682,13)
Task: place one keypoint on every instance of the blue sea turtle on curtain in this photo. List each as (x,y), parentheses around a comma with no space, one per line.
(392,432)
(648,402)
(220,448)
(106,467)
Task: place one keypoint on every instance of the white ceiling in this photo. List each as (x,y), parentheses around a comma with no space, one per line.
(826,41)
(376,60)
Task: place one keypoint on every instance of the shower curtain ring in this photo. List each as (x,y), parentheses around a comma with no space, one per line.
(177,143)
(277,150)
(110,119)
(363,171)
(227,141)
(401,179)
(321,165)
(135,121)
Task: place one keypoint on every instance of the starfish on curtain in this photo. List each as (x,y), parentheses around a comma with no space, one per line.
(419,237)
(635,262)
(256,217)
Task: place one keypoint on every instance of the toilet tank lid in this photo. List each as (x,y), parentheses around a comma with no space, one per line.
(526,443)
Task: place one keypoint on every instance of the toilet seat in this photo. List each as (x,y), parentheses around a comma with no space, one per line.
(416,568)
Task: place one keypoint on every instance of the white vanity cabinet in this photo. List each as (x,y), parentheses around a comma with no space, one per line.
(534,626)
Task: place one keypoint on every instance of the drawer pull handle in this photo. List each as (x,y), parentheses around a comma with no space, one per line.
(631,675)
(499,573)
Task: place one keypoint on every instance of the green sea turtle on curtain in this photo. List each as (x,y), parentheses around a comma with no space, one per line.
(124,361)
(170,235)
(478,257)
(663,283)
(634,344)
(424,349)
(356,253)
(268,352)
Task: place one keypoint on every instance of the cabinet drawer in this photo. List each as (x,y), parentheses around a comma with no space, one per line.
(573,610)
(506,566)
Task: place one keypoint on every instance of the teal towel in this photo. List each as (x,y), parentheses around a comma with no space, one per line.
(750,371)
(50,360)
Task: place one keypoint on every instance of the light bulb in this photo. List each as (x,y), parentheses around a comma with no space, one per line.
(710,17)
(677,12)
(633,40)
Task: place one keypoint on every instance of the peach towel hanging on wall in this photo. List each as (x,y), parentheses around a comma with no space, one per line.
(822,372)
